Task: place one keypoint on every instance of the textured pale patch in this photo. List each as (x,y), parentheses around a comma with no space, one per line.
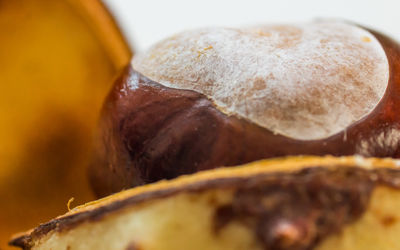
(305,81)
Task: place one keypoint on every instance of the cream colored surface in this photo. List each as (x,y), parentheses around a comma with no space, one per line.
(181,222)
(322,76)
(379,227)
(184,221)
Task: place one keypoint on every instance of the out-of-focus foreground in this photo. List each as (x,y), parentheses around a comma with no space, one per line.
(57,61)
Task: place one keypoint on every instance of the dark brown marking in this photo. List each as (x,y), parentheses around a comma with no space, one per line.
(389,220)
(295,212)
(133,246)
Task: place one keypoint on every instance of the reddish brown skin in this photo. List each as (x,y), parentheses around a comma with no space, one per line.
(151,132)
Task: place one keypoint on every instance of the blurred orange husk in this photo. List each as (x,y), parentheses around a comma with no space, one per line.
(57,62)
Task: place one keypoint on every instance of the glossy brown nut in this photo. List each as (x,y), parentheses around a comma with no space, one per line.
(150,132)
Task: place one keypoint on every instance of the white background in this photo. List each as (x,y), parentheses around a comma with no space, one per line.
(146,21)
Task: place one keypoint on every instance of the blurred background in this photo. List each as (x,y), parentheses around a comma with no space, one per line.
(146,22)
(58,59)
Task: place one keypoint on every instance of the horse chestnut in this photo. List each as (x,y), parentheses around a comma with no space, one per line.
(222,97)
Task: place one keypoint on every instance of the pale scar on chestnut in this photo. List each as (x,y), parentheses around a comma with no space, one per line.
(319,77)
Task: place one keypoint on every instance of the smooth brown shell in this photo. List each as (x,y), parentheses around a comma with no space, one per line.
(150,132)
